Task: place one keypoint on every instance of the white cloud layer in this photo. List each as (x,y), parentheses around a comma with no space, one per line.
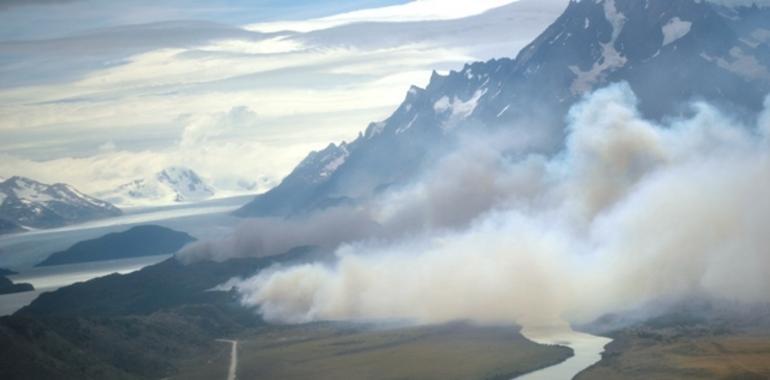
(418,10)
(307,89)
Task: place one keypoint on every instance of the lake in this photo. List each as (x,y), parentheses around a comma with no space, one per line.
(20,252)
(46,279)
(205,220)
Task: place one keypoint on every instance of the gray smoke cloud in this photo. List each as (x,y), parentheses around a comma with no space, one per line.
(631,211)
(441,200)
(273,236)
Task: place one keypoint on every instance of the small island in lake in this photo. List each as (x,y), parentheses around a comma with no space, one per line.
(138,241)
(7,286)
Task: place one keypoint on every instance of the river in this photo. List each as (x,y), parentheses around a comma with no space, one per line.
(587,348)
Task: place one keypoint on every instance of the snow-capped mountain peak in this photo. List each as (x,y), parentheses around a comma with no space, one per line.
(171,185)
(29,203)
(186,183)
(319,165)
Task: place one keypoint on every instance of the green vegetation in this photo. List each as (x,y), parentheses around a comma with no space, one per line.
(127,347)
(165,285)
(7,286)
(137,241)
(136,325)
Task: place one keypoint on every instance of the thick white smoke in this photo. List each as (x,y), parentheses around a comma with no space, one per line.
(630,211)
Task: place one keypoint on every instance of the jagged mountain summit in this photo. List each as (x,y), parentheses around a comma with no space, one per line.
(171,185)
(25,203)
(671,53)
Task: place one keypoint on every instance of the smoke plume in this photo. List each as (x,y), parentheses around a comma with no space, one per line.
(629,212)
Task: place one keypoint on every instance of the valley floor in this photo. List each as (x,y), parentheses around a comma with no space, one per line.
(325,351)
(663,355)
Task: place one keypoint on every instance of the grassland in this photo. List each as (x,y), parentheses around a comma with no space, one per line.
(209,366)
(642,354)
(325,351)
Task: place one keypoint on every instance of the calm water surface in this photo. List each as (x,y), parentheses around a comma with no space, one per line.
(588,350)
(46,279)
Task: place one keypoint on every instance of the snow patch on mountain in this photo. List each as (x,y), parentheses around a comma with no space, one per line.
(757,37)
(744,65)
(324,162)
(457,109)
(741,63)
(335,163)
(675,29)
(374,129)
(409,125)
(611,57)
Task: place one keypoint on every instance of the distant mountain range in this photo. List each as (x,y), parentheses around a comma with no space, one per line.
(664,49)
(25,203)
(171,185)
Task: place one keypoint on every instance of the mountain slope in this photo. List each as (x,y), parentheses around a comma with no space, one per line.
(28,203)
(6,226)
(171,185)
(662,48)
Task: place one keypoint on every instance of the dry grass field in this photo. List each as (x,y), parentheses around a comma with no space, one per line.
(645,356)
(322,351)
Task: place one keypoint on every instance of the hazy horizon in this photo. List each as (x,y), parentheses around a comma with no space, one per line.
(118,92)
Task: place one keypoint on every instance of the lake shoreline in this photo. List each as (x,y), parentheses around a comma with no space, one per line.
(51,278)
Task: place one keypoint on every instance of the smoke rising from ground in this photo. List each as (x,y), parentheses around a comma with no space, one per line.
(630,212)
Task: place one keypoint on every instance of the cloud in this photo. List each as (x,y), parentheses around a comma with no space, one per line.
(230,166)
(7,4)
(61,98)
(265,237)
(419,10)
(200,129)
(72,57)
(630,212)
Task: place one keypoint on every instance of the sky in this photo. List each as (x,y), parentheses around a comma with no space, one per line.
(99,93)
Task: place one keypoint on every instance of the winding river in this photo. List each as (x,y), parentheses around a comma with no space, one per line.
(588,350)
